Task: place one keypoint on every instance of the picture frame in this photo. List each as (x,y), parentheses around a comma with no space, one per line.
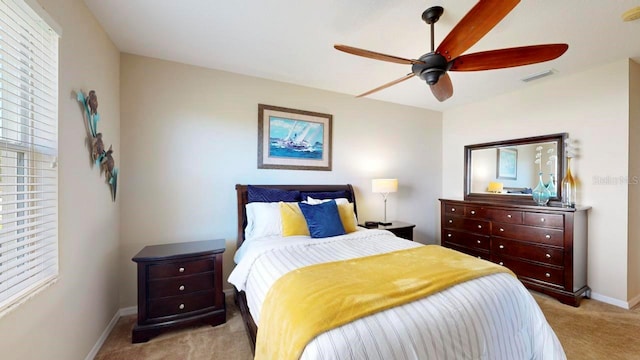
(293,139)
(507,164)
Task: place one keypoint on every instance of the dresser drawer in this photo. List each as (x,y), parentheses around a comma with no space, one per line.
(544,220)
(454,209)
(471,225)
(180,268)
(529,233)
(484,255)
(547,274)
(475,211)
(543,254)
(178,305)
(465,239)
(505,216)
(181,285)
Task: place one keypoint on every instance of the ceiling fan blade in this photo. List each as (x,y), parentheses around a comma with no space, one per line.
(375,55)
(511,57)
(474,25)
(443,89)
(406,77)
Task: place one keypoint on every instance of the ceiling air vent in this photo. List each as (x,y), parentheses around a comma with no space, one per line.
(537,76)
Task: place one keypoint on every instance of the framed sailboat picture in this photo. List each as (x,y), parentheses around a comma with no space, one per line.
(293,139)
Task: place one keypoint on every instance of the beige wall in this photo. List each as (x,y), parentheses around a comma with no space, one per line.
(633,292)
(592,107)
(189,135)
(65,320)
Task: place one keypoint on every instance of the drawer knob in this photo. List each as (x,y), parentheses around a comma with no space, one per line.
(547,275)
(181,307)
(450,221)
(449,235)
(548,256)
(453,209)
(181,288)
(547,236)
(500,263)
(181,269)
(501,246)
(479,226)
(501,229)
(478,241)
(473,212)
(541,219)
(509,216)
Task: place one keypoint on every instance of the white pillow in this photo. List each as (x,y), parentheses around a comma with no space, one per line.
(312,201)
(263,219)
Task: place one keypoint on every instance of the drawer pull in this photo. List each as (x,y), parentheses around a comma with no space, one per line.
(479,257)
(547,275)
(453,209)
(449,235)
(478,241)
(501,246)
(509,216)
(479,226)
(541,219)
(548,256)
(501,229)
(500,263)
(181,269)
(473,212)
(450,221)
(181,288)
(547,236)
(181,307)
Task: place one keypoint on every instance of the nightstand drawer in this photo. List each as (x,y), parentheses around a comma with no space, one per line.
(181,285)
(181,268)
(177,305)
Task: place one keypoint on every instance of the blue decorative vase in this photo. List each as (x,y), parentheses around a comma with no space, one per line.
(551,186)
(541,193)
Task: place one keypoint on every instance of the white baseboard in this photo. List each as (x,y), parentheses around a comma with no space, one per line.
(94,351)
(612,301)
(128,311)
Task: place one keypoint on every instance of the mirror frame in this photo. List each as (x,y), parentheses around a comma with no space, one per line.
(469,196)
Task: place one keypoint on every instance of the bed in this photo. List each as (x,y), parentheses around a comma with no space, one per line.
(488,317)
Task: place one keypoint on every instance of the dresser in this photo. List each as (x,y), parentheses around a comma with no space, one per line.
(545,246)
(178,285)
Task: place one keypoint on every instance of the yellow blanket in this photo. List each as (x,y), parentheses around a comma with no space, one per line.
(308,301)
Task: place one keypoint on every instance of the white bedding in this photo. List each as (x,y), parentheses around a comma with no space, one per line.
(492,317)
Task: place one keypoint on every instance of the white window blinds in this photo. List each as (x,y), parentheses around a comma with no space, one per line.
(28,153)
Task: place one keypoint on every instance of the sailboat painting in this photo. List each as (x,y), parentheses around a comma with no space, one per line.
(289,138)
(293,139)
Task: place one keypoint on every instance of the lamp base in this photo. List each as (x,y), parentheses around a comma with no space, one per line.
(384,223)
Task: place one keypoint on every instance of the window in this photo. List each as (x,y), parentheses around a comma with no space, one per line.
(28,153)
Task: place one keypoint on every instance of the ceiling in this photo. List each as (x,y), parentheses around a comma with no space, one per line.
(292,40)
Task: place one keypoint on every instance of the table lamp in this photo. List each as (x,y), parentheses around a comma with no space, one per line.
(384,187)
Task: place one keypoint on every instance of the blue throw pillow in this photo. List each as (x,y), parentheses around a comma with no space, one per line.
(323,220)
(320,195)
(260,194)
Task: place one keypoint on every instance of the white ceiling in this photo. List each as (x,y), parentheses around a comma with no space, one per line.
(292,40)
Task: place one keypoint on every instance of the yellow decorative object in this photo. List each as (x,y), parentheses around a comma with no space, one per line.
(309,301)
(495,187)
(293,222)
(631,14)
(347,218)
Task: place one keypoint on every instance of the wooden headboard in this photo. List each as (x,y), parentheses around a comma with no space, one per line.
(243,199)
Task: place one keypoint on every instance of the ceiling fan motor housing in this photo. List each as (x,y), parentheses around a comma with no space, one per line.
(431,68)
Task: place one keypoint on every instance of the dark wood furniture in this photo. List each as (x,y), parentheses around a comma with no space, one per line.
(179,284)
(242,197)
(398,228)
(545,246)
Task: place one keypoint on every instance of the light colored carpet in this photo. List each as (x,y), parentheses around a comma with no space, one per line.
(592,331)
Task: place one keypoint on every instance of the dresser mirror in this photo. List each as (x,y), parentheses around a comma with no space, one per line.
(509,170)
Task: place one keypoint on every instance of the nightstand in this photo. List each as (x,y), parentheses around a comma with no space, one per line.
(179,284)
(398,228)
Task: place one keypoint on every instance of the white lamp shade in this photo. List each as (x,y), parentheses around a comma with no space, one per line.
(384,185)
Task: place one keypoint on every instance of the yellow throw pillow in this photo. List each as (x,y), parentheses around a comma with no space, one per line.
(293,222)
(347,218)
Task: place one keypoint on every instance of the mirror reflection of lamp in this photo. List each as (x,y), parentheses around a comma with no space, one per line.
(384,187)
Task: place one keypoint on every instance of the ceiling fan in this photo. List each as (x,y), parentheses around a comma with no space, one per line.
(434,65)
